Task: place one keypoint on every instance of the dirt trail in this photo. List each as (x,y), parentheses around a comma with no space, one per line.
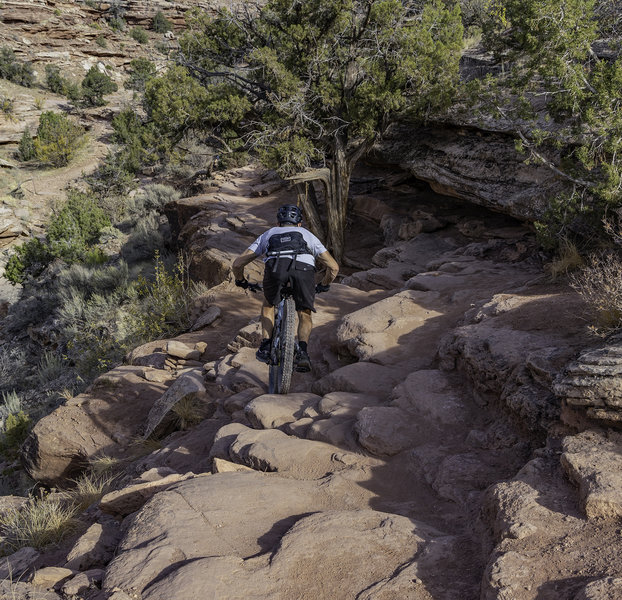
(438,471)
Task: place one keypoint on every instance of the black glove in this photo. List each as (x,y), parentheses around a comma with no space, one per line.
(319,288)
(243,283)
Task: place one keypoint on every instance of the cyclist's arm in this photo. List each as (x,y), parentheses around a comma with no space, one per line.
(332,268)
(247,257)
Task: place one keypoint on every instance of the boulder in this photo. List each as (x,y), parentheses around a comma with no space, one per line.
(386,331)
(593,461)
(96,547)
(105,419)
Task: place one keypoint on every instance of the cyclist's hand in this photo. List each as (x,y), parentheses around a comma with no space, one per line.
(243,283)
(319,288)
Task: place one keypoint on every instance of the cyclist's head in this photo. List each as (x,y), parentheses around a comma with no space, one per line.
(289,214)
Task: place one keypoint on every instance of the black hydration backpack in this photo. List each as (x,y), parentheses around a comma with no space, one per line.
(286,245)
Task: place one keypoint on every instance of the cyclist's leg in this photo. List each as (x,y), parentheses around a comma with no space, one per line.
(267,319)
(305,324)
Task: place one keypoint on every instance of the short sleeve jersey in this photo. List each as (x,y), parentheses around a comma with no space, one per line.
(260,245)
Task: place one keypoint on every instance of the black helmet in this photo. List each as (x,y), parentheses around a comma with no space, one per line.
(289,214)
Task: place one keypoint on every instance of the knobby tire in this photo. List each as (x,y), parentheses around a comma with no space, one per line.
(288,345)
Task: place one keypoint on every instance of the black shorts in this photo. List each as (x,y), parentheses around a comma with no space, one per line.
(300,274)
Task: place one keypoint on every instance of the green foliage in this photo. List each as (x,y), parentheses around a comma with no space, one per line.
(26,149)
(160,23)
(7,106)
(141,144)
(117,23)
(546,47)
(139,34)
(59,85)
(100,40)
(320,80)
(176,103)
(70,235)
(95,85)
(58,138)
(15,70)
(141,71)
(16,427)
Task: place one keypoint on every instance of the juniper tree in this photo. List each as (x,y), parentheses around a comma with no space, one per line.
(320,80)
(562,89)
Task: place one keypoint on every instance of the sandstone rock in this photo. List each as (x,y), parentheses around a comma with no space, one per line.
(188,386)
(11,503)
(96,547)
(184,451)
(479,167)
(49,577)
(609,588)
(180,350)
(593,461)
(239,401)
(271,411)
(224,466)
(591,385)
(14,566)
(105,419)
(18,590)
(82,582)
(361,377)
(432,399)
(316,547)
(383,332)
(384,430)
(272,450)
(129,499)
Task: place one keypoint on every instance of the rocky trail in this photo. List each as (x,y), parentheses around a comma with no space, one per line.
(441,448)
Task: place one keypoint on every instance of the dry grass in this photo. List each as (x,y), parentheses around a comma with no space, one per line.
(189,411)
(600,285)
(89,488)
(39,524)
(567,261)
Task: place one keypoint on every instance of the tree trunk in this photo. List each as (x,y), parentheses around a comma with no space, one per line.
(307,199)
(337,203)
(337,198)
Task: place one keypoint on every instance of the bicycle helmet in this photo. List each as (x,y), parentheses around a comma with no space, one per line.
(289,214)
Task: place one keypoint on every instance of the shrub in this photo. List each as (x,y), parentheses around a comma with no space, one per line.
(141,144)
(78,222)
(16,428)
(41,523)
(141,71)
(7,106)
(50,367)
(100,40)
(54,80)
(95,85)
(600,285)
(11,404)
(160,23)
(140,35)
(26,149)
(71,233)
(15,70)
(58,139)
(117,23)
(28,260)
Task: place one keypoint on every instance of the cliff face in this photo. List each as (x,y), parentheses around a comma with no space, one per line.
(480,166)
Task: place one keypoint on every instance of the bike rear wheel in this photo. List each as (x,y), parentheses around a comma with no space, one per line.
(283,338)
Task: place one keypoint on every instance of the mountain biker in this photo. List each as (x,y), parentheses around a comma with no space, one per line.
(291,252)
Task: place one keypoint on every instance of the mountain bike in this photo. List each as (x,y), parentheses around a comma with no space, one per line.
(284,348)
